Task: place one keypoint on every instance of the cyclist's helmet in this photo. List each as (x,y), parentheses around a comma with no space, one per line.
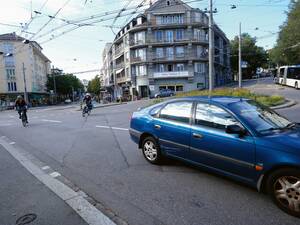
(87,94)
(19,97)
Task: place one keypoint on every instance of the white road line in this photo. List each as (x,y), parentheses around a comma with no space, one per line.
(12,143)
(5,125)
(119,128)
(55,174)
(77,202)
(103,126)
(114,128)
(52,121)
(45,167)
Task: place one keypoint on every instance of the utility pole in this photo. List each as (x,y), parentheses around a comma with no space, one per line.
(211,48)
(72,94)
(54,84)
(25,88)
(240,56)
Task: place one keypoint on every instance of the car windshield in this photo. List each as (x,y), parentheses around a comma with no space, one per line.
(260,118)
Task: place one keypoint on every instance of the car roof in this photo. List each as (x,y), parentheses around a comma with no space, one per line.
(223,100)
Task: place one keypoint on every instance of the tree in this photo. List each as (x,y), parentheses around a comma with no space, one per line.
(254,55)
(287,49)
(94,86)
(65,84)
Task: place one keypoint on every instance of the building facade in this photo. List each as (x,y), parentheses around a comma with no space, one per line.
(22,64)
(165,47)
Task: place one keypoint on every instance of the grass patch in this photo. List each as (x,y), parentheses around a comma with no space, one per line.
(266,100)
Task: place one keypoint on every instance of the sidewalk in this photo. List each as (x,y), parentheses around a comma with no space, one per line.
(21,193)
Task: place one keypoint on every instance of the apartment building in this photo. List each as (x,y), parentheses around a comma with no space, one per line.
(19,60)
(165,47)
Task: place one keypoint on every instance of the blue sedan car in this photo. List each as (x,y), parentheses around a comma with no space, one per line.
(234,137)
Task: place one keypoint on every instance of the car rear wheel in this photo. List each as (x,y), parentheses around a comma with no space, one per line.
(151,150)
(284,188)
(296,85)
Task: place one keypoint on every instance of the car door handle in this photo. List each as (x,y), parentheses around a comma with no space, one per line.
(198,136)
(157,126)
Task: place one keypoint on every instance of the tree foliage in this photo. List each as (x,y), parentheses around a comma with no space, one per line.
(64,84)
(254,55)
(94,86)
(287,49)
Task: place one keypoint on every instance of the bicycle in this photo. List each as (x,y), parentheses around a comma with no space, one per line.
(86,110)
(23,118)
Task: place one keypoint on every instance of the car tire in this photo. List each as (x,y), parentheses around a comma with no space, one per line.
(284,188)
(296,85)
(151,150)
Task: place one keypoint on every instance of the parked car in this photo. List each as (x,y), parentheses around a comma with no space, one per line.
(68,101)
(164,93)
(234,137)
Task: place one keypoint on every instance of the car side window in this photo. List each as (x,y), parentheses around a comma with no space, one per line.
(213,116)
(177,111)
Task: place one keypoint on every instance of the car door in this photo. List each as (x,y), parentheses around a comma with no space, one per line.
(212,146)
(172,127)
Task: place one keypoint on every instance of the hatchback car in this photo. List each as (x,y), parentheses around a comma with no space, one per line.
(164,93)
(234,137)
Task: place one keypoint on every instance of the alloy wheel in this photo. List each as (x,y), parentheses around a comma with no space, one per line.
(150,150)
(287,192)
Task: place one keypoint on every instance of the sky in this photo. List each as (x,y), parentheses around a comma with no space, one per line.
(81,49)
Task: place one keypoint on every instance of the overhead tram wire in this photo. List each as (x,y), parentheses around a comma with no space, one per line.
(97,21)
(75,28)
(136,9)
(119,14)
(78,22)
(33,35)
(32,18)
(50,19)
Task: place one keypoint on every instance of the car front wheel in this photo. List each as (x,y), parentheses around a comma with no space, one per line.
(284,187)
(151,150)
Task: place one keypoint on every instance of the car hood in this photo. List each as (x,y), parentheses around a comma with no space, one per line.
(288,141)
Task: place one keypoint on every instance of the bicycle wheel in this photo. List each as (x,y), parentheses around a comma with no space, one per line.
(24,120)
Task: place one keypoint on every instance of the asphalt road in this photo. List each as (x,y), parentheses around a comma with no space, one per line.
(98,156)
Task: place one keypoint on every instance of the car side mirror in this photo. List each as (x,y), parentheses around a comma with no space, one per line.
(236,129)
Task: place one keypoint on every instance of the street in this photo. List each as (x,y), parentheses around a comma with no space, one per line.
(97,156)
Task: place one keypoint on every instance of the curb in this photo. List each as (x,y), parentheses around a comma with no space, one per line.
(289,103)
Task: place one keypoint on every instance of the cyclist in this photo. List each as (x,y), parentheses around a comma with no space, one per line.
(21,106)
(88,101)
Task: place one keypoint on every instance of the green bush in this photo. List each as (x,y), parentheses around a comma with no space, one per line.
(235,92)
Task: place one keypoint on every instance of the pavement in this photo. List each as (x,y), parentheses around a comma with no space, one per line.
(97,156)
(24,198)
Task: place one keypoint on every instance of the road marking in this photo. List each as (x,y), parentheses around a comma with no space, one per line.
(45,167)
(77,202)
(119,128)
(12,143)
(5,125)
(103,126)
(55,174)
(52,121)
(114,128)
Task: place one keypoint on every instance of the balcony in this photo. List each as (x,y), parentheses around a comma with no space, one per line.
(119,51)
(174,74)
(138,59)
(119,66)
(133,43)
